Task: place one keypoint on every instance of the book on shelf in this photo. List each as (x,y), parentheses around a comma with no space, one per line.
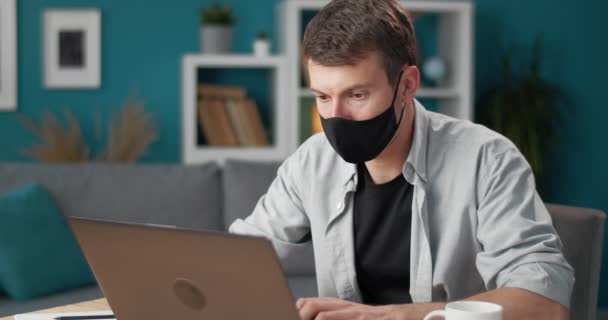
(227,131)
(215,123)
(255,125)
(206,123)
(229,118)
(234,107)
(220,92)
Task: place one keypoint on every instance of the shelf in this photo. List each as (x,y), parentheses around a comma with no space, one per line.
(221,70)
(421,93)
(306,93)
(437,93)
(233,60)
(220,154)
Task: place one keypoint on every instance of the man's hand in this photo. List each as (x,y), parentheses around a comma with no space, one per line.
(518,304)
(336,309)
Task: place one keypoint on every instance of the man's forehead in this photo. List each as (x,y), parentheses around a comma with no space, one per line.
(339,78)
(371,58)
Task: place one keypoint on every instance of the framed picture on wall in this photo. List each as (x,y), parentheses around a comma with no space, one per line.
(8,55)
(72,48)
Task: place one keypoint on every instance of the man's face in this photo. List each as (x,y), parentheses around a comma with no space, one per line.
(357,92)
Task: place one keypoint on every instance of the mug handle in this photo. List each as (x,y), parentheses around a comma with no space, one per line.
(436,313)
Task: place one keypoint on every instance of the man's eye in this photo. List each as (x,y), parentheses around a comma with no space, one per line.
(358,95)
(322,98)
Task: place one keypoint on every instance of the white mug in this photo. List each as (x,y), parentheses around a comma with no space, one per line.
(468,310)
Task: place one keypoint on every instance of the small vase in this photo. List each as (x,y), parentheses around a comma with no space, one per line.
(261,47)
(216,39)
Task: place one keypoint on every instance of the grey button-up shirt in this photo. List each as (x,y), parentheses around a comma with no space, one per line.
(477,221)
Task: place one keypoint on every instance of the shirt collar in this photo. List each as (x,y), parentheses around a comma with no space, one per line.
(418,151)
(349,171)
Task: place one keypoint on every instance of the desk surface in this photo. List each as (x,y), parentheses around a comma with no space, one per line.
(99,304)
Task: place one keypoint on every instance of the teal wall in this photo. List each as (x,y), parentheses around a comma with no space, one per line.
(575,59)
(143,41)
(142,46)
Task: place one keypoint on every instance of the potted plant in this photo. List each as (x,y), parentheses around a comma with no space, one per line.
(216,29)
(525,108)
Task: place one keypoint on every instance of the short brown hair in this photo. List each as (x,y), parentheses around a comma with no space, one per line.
(345,31)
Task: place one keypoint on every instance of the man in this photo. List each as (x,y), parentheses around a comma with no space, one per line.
(406,208)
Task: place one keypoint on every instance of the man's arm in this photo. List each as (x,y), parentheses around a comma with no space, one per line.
(280,217)
(523,304)
(521,248)
(518,304)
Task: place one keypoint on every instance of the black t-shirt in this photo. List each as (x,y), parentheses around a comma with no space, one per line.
(382,228)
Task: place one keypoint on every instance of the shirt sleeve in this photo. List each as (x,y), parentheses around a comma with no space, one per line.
(280,217)
(521,248)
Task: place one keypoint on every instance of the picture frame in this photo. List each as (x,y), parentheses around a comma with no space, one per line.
(8,55)
(72,48)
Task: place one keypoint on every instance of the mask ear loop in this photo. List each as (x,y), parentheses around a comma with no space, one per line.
(395,97)
(401,116)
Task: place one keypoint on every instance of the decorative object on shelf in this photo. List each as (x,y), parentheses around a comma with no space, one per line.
(72,48)
(434,70)
(216,29)
(228,118)
(129,135)
(525,108)
(8,55)
(261,45)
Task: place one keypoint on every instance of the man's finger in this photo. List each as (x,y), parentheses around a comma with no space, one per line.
(301,301)
(309,308)
(342,314)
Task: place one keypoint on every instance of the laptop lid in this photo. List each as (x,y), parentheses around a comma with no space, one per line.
(154,272)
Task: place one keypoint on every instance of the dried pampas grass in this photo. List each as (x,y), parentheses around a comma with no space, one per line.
(129,134)
(60,144)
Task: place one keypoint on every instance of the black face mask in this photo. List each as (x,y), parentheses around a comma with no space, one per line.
(361,141)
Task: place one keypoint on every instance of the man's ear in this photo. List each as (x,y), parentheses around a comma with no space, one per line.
(410,82)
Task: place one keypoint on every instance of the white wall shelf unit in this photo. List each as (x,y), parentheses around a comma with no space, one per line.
(192,151)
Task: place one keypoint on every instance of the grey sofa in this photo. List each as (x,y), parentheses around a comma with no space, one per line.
(199,197)
(211,197)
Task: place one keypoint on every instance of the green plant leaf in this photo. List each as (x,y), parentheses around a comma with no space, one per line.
(524,107)
(217,15)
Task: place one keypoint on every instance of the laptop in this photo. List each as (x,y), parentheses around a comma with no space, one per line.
(161,272)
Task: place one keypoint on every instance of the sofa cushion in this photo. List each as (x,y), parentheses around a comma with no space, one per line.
(302,286)
(244,183)
(184,196)
(38,253)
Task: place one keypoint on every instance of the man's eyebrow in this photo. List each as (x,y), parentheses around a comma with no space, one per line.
(351,88)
